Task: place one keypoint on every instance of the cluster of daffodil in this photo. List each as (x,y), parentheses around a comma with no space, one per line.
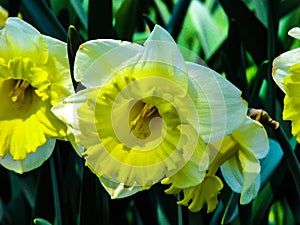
(144,115)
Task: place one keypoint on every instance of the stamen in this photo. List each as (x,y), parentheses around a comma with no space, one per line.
(146,112)
(19,90)
(139,126)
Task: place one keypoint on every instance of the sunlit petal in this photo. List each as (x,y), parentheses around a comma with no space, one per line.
(98,60)
(218,102)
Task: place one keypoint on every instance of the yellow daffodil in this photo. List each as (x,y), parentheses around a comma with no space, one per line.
(237,155)
(146,113)
(286,73)
(34,76)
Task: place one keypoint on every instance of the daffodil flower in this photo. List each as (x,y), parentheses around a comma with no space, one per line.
(146,113)
(237,155)
(34,76)
(286,73)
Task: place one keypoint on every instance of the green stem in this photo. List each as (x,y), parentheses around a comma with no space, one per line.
(179,211)
(290,157)
(55,192)
(272,34)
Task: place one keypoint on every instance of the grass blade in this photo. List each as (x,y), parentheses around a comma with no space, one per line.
(39,15)
(175,23)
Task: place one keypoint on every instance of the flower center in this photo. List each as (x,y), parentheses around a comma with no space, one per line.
(18,92)
(140,116)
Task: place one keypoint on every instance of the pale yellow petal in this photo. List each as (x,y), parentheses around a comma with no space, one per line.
(252,137)
(32,161)
(217,101)
(19,38)
(58,70)
(295,32)
(98,60)
(282,64)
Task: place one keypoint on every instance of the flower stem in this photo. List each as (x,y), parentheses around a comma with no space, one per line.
(55,192)
(179,211)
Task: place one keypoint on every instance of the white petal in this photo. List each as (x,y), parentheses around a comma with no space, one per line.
(295,32)
(20,39)
(241,173)
(252,137)
(193,172)
(118,190)
(232,174)
(220,106)
(249,194)
(61,83)
(282,64)
(66,110)
(251,169)
(32,161)
(160,47)
(97,60)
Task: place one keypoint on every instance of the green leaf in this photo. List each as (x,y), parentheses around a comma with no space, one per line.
(266,196)
(261,11)
(179,12)
(56,198)
(128,17)
(17,211)
(14,6)
(202,25)
(231,210)
(290,157)
(168,210)
(39,15)
(245,212)
(257,82)
(288,6)
(234,60)
(162,12)
(94,205)
(43,206)
(147,208)
(149,22)
(40,221)
(273,23)
(100,18)
(275,156)
(29,185)
(217,214)
(273,172)
(252,31)
(79,10)
(58,5)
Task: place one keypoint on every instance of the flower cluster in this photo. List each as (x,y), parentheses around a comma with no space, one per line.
(143,115)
